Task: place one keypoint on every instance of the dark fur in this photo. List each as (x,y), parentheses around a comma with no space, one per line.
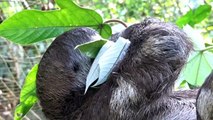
(205,100)
(139,89)
(61,75)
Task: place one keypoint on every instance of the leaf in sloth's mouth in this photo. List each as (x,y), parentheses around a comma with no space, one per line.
(107,58)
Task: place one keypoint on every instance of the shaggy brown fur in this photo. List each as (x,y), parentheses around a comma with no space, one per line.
(139,89)
(205,100)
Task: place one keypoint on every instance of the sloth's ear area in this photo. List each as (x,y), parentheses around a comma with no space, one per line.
(135,30)
(127,32)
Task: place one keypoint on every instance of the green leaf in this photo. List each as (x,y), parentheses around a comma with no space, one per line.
(91,49)
(31,26)
(28,94)
(95,69)
(106,62)
(184,85)
(110,59)
(198,68)
(194,16)
(104,30)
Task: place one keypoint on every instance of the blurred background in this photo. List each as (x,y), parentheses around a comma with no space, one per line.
(17,60)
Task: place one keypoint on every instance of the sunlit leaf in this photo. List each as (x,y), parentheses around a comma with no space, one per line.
(194,16)
(196,37)
(28,94)
(198,68)
(31,26)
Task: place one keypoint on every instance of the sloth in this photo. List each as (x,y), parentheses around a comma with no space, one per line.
(205,100)
(140,88)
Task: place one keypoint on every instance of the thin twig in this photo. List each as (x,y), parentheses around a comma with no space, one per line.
(118,21)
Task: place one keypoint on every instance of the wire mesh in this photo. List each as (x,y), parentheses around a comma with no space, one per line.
(15,62)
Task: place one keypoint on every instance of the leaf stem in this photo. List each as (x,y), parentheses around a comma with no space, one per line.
(207,48)
(118,21)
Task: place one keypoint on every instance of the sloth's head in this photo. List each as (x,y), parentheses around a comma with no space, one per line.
(153,41)
(156,55)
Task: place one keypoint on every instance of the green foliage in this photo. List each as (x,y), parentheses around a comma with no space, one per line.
(136,10)
(199,67)
(194,16)
(28,94)
(91,49)
(200,62)
(31,26)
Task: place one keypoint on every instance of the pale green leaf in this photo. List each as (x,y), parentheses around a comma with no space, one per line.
(111,58)
(95,69)
(106,60)
(198,67)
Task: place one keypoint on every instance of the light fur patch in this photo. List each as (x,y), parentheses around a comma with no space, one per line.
(123,97)
(204,104)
